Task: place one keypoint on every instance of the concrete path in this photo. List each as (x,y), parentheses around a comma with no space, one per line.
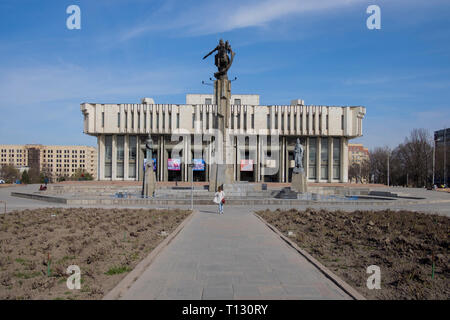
(231,256)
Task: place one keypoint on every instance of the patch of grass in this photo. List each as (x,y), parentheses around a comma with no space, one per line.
(21,261)
(64,259)
(25,275)
(117,270)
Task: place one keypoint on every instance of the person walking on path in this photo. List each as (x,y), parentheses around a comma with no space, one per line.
(219,198)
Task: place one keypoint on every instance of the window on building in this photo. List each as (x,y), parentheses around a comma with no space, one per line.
(132,141)
(163,120)
(268,121)
(342,122)
(336,158)
(118,119)
(157,121)
(237,102)
(151,120)
(320,122)
(324,158)
(139,120)
(295,122)
(207,120)
(132,120)
(253,121)
(238,119)
(103,119)
(283,115)
(108,156)
(208,101)
(120,156)
(312,158)
(193,120)
(170,121)
(245,120)
(145,120)
(289,122)
(314,122)
(178,121)
(276,121)
(327,122)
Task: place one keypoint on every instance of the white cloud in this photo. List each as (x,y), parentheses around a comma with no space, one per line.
(37,84)
(217,16)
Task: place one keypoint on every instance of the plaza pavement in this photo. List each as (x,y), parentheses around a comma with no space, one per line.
(436,202)
(231,256)
(234,255)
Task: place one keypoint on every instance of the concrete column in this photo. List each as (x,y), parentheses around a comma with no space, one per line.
(318,158)
(292,113)
(306,157)
(188,150)
(344,160)
(138,164)
(286,155)
(258,159)
(165,156)
(114,157)
(126,157)
(101,158)
(281,155)
(238,164)
(330,159)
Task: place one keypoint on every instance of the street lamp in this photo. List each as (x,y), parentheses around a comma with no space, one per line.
(191,166)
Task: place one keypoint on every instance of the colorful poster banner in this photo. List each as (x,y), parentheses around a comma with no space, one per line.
(174,164)
(154,163)
(199,164)
(247,165)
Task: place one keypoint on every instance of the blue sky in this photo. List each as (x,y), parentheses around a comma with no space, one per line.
(319,51)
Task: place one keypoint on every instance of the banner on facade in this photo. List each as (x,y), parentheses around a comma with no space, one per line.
(199,164)
(247,165)
(174,164)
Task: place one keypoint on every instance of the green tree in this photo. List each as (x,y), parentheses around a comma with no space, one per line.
(25,177)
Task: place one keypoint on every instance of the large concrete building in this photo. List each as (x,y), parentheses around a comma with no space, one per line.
(57,160)
(357,153)
(263,137)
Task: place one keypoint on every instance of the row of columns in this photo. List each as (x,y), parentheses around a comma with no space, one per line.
(255,149)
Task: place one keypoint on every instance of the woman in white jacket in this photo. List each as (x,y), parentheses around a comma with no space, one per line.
(219,198)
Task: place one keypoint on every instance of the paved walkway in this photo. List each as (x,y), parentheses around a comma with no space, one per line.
(231,256)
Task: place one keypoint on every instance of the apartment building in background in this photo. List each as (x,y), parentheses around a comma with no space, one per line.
(58,161)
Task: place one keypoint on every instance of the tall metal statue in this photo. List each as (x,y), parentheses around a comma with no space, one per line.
(222,60)
(298,153)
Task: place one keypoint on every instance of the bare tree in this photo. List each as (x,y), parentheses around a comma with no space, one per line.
(9,173)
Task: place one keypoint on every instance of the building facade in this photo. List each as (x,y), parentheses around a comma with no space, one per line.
(263,138)
(442,156)
(357,153)
(55,160)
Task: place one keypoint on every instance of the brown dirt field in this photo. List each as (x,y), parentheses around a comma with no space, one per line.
(105,243)
(401,243)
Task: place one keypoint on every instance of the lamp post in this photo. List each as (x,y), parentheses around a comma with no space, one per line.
(191,166)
